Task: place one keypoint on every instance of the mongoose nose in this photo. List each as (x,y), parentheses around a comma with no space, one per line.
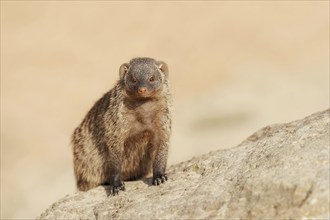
(142,90)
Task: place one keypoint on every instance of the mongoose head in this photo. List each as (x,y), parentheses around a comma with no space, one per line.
(143,77)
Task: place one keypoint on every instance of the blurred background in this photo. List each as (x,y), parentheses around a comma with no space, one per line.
(235,66)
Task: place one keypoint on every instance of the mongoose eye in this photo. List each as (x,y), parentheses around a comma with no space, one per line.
(134,80)
(152,79)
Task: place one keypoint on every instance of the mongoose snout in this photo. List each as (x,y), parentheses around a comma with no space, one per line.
(142,90)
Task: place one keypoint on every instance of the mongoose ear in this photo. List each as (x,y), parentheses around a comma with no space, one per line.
(163,67)
(123,70)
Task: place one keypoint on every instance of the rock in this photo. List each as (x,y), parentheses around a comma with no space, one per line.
(281,171)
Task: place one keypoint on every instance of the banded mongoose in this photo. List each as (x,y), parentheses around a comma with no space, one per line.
(126,133)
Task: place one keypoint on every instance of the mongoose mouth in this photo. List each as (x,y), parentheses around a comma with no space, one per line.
(145,93)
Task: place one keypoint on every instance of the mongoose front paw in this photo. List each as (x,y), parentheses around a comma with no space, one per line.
(114,190)
(158,179)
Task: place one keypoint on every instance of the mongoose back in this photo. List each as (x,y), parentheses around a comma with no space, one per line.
(126,133)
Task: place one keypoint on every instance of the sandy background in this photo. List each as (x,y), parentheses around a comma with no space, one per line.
(234,66)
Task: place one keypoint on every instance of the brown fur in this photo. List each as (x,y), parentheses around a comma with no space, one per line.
(126,133)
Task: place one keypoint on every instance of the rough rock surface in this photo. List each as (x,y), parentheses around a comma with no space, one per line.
(281,171)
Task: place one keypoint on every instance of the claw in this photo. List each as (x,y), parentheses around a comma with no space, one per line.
(161,178)
(114,190)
